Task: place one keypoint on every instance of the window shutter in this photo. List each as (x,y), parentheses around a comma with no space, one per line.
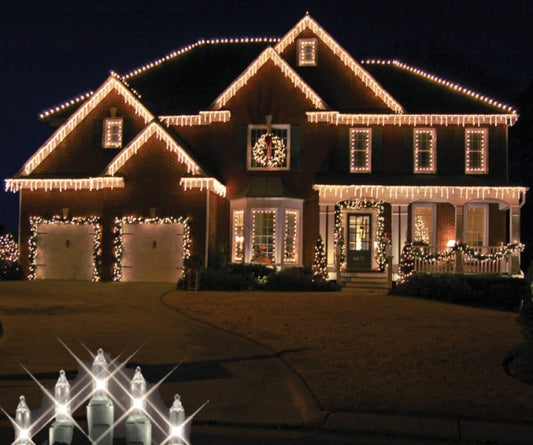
(127,134)
(442,151)
(341,161)
(457,162)
(97,133)
(407,150)
(295,147)
(242,137)
(377,150)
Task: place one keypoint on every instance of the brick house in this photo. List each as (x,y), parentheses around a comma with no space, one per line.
(259,146)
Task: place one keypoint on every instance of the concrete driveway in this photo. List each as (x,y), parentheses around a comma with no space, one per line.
(243,381)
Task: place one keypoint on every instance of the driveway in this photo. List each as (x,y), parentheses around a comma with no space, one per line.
(243,381)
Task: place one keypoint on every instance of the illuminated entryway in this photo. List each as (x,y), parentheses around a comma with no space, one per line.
(359,241)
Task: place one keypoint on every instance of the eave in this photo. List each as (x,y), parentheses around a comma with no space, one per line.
(337,118)
(63,184)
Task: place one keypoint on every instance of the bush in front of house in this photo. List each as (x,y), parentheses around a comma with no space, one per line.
(498,292)
(258,277)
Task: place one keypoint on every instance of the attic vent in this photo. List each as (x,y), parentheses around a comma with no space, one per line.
(307,52)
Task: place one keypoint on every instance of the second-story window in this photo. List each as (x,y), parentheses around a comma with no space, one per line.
(307,52)
(360,150)
(269,147)
(476,150)
(112,132)
(425,149)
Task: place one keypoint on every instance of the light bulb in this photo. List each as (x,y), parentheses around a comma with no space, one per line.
(23,420)
(176,418)
(99,372)
(138,391)
(62,397)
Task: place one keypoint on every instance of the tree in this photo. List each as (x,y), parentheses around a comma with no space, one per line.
(320,267)
(407,261)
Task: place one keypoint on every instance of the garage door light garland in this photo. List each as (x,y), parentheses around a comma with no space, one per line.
(119,241)
(94,221)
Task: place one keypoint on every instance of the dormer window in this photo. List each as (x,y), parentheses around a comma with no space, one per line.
(112,132)
(307,52)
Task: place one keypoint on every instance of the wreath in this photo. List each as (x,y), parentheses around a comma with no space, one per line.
(269,151)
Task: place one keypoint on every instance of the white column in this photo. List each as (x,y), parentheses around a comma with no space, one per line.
(399,232)
(459,223)
(327,232)
(514,224)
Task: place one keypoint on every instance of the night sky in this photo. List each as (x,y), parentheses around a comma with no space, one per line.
(53,51)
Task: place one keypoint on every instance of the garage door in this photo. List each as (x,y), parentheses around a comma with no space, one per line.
(152,252)
(64,251)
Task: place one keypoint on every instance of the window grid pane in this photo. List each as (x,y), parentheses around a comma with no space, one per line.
(475,226)
(425,148)
(360,142)
(238,236)
(291,231)
(112,133)
(264,233)
(476,150)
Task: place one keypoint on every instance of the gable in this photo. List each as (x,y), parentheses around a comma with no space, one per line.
(268,55)
(112,86)
(153,130)
(338,78)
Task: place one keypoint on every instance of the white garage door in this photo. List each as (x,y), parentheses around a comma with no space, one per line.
(152,252)
(64,252)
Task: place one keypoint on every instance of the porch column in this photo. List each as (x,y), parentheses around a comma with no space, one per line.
(327,232)
(514,237)
(459,223)
(399,232)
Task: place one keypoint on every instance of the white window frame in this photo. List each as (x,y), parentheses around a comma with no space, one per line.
(484,168)
(264,129)
(433,207)
(237,239)
(305,47)
(368,150)
(286,258)
(108,124)
(485,223)
(432,168)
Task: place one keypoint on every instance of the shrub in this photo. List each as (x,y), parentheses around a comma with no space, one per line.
(499,292)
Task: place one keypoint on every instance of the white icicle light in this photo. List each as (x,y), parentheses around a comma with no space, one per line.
(176,418)
(23,422)
(138,391)
(100,374)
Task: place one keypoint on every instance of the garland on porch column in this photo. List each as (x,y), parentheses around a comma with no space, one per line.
(320,267)
(118,241)
(79,220)
(381,242)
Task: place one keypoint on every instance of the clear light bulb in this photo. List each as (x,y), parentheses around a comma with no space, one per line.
(138,390)
(99,372)
(23,420)
(176,418)
(62,397)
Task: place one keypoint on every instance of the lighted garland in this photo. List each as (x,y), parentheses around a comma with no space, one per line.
(497,255)
(381,248)
(118,240)
(9,250)
(269,151)
(35,221)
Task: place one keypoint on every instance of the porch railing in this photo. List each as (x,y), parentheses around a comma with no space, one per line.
(432,260)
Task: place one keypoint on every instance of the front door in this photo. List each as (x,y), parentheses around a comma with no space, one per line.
(359,247)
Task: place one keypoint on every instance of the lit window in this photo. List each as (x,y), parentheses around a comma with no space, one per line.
(238,236)
(476,223)
(360,153)
(268,150)
(423,224)
(307,52)
(112,132)
(425,150)
(263,234)
(291,231)
(476,150)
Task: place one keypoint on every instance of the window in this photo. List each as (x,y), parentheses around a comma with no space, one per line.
(423,228)
(238,236)
(425,148)
(291,232)
(476,223)
(307,52)
(268,150)
(476,150)
(263,233)
(360,150)
(112,132)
